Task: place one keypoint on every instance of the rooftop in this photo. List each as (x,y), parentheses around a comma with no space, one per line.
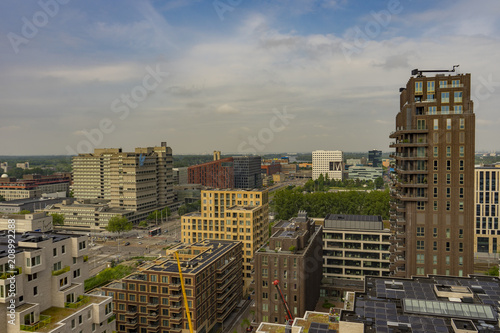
(428,303)
(355,222)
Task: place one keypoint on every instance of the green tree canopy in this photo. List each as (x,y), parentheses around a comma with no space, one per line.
(119,224)
(379,182)
(57,219)
(143,224)
(2,198)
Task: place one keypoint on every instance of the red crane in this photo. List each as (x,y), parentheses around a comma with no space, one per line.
(289,316)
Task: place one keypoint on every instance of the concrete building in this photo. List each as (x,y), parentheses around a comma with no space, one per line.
(151,299)
(365,172)
(49,275)
(328,162)
(487,235)
(375,158)
(27,222)
(24,165)
(293,257)
(31,204)
(435,303)
(139,181)
(88,215)
(432,195)
(355,246)
(215,174)
(247,172)
(289,169)
(239,215)
(33,186)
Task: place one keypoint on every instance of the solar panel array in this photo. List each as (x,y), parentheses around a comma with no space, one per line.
(320,328)
(410,290)
(491,289)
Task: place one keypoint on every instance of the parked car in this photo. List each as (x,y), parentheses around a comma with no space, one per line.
(127,243)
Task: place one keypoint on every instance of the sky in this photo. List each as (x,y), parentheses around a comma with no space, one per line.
(238,76)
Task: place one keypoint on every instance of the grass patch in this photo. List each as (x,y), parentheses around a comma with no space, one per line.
(108,275)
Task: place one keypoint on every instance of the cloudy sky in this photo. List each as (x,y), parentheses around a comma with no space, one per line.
(232,75)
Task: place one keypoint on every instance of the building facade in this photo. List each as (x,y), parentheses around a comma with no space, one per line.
(432,194)
(216,174)
(487,235)
(151,299)
(139,181)
(237,215)
(328,162)
(33,186)
(31,204)
(355,246)
(27,222)
(49,274)
(365,172)
(247,172)
(271,168)
(375,158)
(293,259)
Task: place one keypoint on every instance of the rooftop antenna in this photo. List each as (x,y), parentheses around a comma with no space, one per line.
(419,72)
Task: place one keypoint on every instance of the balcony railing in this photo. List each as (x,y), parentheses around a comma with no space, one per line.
(81,300)
(61,271)
(44,320)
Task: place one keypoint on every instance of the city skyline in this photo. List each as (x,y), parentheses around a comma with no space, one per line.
(243,77)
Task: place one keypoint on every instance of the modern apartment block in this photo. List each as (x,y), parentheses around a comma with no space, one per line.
(216,174)
(487,235)
(151,299)
(328,162)
(238,215)
(247,172)
(33,186)
(293,257)
(49,272)
(355,246)
(365,172)
(432,194)
(139,181)
(375,158)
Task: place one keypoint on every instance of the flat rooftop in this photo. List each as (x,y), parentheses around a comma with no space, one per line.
(354,222)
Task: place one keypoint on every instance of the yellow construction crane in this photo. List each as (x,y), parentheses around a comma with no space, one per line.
(184,293)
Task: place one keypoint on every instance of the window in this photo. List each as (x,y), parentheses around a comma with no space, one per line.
(153,278)
(443,84)
(455,83)
(420,231)
(460,247)
(436,124)
(431,85)
(35,290)
(461,165)
(457,97)
(418,87)
(420,258)
(435,165)
(164,279)
(447,246)
(462,151)
(435,232)
(265,295)
(76,273)
(435,205)
(432,109)
(434,246)
(54,252)
(435,178)
(447,260)
(461,179)
(461,206)
(448,165)
(448,205)
(445,97)
(448,179)
(434,259)
(448,124)
(63,249)
(421,124)
(436,151)
(420,245)
(57,266)
(448,192)
(420,271)
(448,151)
(461,260)
(462,123)
(420,205)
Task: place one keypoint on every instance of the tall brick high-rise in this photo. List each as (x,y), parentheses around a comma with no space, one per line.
(432,194)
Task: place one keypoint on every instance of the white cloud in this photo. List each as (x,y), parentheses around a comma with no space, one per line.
(226,109)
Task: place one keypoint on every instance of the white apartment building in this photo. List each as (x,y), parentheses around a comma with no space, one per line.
(28,222)
(328,162)
(42,286)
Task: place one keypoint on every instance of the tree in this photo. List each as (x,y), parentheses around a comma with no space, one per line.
(143,224)
(2,198)
(24,211)
(57,219)
(119,224)
(379,182)
(167,212)
(182,210)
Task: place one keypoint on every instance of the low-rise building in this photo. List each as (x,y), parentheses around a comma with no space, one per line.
(355,246)
(365,172)
(88,215)
(152,299)
(27,222)
(31,204)
(42,285)
(33,186)
(293,260)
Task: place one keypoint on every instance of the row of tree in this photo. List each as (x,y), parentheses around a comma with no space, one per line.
(190,207)
(323,183)
(286,203)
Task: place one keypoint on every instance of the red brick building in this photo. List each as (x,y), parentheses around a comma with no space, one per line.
(271,169)
(216,174)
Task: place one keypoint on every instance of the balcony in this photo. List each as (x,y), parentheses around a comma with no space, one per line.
(11,273)
(61,271)
(44,320)
(175,297)
(176,319)
(81,300)
(153,306)
(408,156)
(407,130)
(403,170)
(408,143)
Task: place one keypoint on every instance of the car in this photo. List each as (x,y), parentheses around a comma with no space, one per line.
(139,243)
(139,237)
(127,243)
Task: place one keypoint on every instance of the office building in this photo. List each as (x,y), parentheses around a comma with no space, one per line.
(432,194)
(247,172)
(271,168)
(24,165)
(425,304)
(49,274)
(293,257)
(215,174)
(487,235)
(238,215)
(180,176)
(139,181)
(34,186)
(27,222)
(328,162)
(30,204)
(151,300)
(88,215)
(365,172)
(375,158)
(355,246)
